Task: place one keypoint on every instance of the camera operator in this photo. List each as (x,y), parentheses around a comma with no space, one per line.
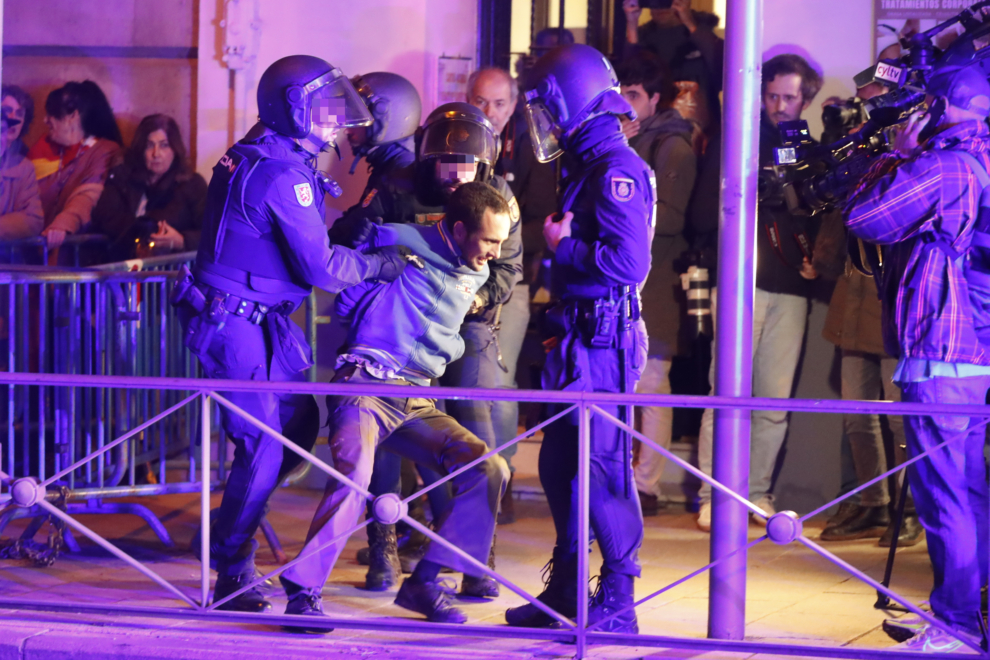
(780,304)
(923,203)
(853,325)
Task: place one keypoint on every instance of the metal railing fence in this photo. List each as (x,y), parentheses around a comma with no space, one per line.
(782,528)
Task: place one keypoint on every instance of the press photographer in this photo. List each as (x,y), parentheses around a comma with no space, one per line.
(922,202)
(783,271)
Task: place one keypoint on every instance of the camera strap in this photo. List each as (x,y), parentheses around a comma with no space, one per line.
(800,237)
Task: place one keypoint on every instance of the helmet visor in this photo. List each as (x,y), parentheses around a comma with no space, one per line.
(542,129)
(461,137)
(337,104)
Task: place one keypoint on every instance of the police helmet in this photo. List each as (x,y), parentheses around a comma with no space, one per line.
(459,130)
(566,87)
(299,92)
(394,105)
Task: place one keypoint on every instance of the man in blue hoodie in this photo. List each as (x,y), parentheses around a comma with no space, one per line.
(405,332)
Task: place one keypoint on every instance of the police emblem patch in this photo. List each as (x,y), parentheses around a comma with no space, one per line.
(514,210)
(370,197)
(623,189)
(304,194)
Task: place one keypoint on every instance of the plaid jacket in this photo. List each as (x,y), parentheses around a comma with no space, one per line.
(908,205)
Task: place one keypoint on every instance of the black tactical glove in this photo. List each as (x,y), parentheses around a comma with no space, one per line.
(393,259)
(352,230)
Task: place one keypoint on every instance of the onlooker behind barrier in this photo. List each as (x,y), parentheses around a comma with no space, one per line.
(71,162)
(153,202)
(663,139)
(20,205)
(780,303)
(853,325)
(684,40)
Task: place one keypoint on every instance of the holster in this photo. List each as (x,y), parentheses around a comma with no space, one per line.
(290,350)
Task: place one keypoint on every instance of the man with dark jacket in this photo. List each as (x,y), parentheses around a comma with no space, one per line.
(662,138)
(685,41)
(780,312)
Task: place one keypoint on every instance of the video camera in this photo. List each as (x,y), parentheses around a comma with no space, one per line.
(812,178)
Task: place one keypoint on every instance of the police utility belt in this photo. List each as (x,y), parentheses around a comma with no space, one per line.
(601,322)
(217,303)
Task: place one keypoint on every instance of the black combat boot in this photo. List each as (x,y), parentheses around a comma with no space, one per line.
(383,559)
(250,601)
(483,586)
(614,594)
(304,603)
(431,599)
(560,592)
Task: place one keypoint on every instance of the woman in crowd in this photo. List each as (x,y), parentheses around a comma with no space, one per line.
(71,162)
(20,206)
(153,202)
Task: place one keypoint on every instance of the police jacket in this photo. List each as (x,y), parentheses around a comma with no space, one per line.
(412,325)
(778,260)
(609,189)
(263,235)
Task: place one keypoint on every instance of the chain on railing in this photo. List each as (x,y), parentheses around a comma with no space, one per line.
(782,528)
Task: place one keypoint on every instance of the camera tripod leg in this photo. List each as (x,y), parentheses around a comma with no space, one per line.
(883,602)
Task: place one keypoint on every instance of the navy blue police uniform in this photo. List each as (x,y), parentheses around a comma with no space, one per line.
(264,247)
(610,191)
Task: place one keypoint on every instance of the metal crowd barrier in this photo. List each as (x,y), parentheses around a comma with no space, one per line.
(108,320)
(35,252)
(783,528)
(103,321)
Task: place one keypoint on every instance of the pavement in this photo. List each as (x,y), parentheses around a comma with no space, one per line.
(793,595)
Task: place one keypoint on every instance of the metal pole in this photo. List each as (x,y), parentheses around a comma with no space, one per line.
(204,501)
(734,335)
(584,542)
(560,33)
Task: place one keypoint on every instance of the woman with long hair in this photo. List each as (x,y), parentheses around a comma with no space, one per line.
(71,162)
(153,202)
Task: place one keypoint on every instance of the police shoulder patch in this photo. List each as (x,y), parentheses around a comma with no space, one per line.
(623,189)
(304,194)
(370,197)
(514,209)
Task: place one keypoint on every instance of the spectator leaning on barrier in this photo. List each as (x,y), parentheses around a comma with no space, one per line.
(662,138)
(153,202)
(72,161)
(20,205)
(923,204)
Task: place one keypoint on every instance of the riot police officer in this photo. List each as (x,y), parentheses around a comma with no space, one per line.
(456,144)
(264,247)
(601,243)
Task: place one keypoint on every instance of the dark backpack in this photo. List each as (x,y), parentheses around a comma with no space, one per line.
(976,259)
